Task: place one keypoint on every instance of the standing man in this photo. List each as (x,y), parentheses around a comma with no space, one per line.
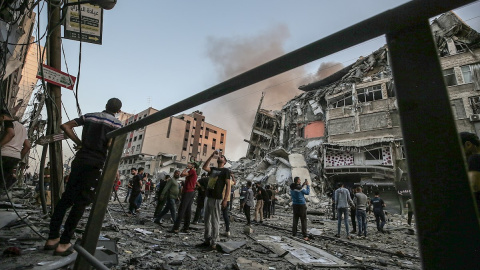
(134,203)
(259,206)
(148,189)
(273,199)
(353,212)
(86,169)
(160,203)
(378,205)
(360,201)
(225,211)
(267,203)
(129,188)
(409,205)
(14,146)
(201,194)
(188,192)
(169,194)
(471,146)
(243,194)
(248,202)
(219,178)
(297,192)
(342,200)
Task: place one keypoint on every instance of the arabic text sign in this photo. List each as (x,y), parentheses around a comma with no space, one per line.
(56,77)
(91,23)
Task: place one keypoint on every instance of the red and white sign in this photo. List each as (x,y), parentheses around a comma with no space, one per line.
(56,77)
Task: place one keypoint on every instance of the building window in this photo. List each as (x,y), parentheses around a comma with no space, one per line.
(184,149)
(205,149)
(375,154)
(207,130)
(369,93)
(188,122)
(130,140)
(140,137)
(138,147)
(215,132)
(346,100)
(133,149)
(467,74)
(449,75)
(187,130)
(222,137)
(135,138)
(214,143)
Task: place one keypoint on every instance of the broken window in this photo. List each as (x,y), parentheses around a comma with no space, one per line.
(138,147)
(222,137)
(475,104)
(140,137)
(467,73)
(207,130)
(369,93)
(375,154)
(214,143)
(449,75)
(135,138)
(204,149)
(341,101)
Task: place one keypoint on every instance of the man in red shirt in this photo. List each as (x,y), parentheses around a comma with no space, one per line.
(188,192)
(148,189)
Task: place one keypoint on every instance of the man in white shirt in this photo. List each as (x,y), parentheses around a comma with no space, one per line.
(14,146)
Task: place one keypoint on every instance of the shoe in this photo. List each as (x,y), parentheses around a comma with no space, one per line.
(337,235)
(50,247)
(349,237)
(354,231)
(359,234)
(203,244)
(172,231)
(306,239)
(184,230)
(226,234)
(67,252)
(157,221)
(213,247)
(261,221)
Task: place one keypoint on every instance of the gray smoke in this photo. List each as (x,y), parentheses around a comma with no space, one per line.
(235,112)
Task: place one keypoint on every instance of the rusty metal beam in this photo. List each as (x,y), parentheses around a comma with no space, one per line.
(446,218)
(102,197)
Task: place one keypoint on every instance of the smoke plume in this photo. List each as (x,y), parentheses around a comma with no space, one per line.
(232,56)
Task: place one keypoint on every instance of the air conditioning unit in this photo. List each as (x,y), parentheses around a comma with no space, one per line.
(474,117)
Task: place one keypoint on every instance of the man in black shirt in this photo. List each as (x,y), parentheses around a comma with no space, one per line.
(86,170)
(201,187)
(219,178)
(136,195)
(378,205)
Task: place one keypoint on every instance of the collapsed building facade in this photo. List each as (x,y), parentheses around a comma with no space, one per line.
(347,126)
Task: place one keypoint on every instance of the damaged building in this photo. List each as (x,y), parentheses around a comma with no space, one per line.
(347,126)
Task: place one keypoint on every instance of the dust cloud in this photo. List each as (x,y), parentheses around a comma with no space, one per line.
(232,56)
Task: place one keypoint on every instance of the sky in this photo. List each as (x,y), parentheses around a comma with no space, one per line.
(156,53)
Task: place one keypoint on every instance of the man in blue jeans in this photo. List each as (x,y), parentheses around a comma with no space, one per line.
(378,205)
(342,201)
(360,201)
(170,194)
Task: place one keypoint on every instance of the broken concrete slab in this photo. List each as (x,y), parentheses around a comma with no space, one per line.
(300,253)
(6,218)
(246,264)
(230,246)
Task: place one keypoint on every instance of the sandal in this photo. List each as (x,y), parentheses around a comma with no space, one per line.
(50,247)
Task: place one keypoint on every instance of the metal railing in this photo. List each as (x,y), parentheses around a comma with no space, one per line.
(446,216)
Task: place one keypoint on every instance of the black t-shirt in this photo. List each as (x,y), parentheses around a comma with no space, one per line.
(377,203)
(136,184)
(94,136)
(267,195)
(203,182)
(216,182)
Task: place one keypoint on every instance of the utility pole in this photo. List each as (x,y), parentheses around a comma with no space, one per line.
(54,103)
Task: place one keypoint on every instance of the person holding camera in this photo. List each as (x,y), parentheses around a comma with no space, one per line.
(298,192)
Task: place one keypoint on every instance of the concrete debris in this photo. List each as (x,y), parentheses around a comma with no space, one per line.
(230,246)
(246,264)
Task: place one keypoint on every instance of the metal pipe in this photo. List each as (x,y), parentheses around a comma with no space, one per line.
(89,258)
(395,19)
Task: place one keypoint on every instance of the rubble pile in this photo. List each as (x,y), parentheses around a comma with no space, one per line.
(137,243)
